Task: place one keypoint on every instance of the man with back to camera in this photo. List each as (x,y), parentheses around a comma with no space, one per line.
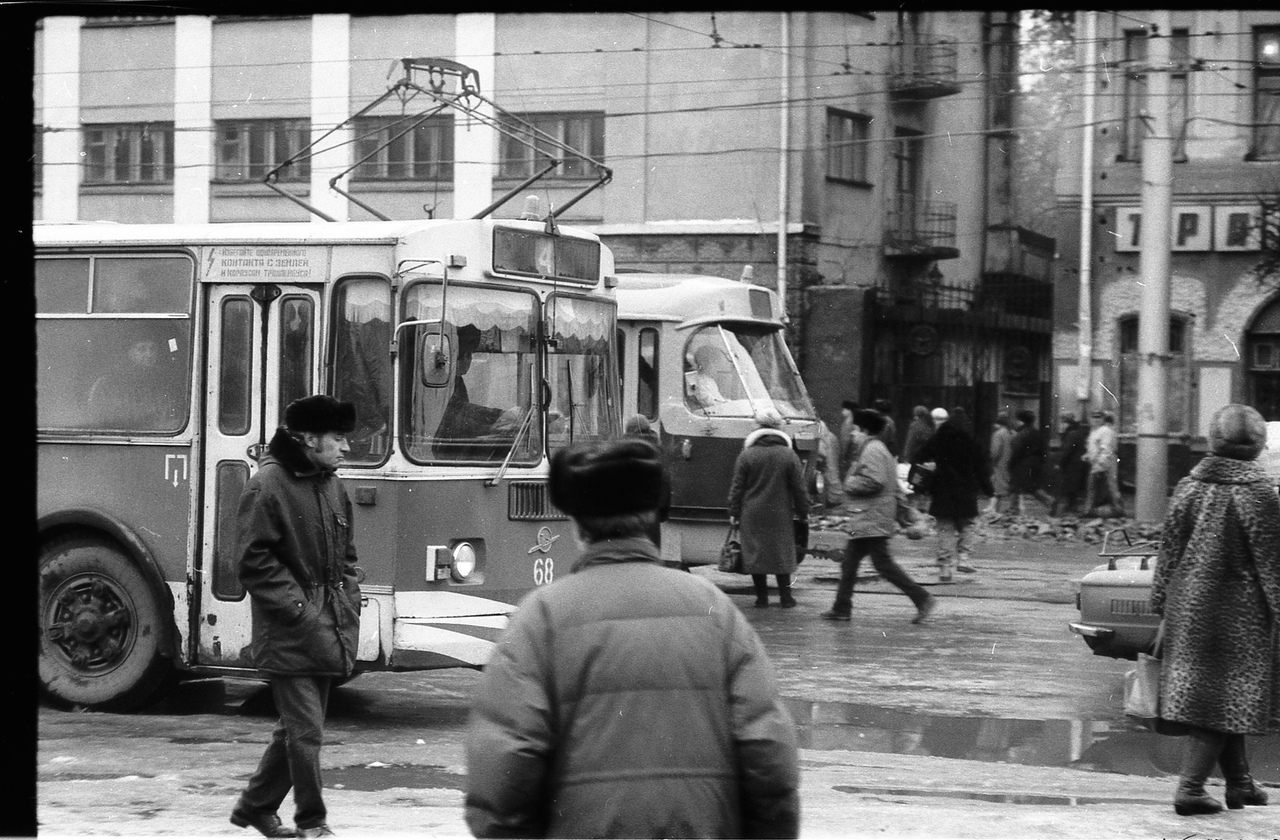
(596,717)
(1104,462)
(298,564)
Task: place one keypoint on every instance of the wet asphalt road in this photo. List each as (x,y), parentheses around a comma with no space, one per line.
(979,708)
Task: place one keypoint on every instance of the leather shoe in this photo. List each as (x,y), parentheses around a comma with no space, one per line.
(832,615)
(321,830)
(268,825)
(925,610)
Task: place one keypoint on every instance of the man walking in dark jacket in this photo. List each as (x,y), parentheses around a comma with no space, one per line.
(298,564)
(960,476)
(597,717)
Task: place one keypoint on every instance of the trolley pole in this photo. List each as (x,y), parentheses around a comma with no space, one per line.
(1151,473)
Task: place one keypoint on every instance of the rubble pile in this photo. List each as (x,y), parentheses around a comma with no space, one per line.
(1069,528)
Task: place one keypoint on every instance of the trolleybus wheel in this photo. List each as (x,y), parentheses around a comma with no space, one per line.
(100,628)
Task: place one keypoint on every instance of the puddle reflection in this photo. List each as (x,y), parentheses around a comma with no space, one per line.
(1005,798)
(1082,744)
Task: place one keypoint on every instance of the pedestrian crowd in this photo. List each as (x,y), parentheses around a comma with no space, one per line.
(597,716)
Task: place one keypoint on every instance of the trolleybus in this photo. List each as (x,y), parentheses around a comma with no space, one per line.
(699,356)
(166,356)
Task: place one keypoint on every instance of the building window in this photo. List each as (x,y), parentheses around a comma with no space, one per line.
(583,132)
(1266,93)
(395,149)
(249,149)
(847,136)
(129,154)
(1178,398)
(1137,106)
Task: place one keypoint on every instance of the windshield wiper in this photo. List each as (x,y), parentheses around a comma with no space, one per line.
(515,444)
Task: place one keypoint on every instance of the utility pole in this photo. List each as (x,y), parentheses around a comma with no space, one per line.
(1152,468)
(1084,311)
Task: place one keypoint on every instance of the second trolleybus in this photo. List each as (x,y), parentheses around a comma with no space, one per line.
(699,357)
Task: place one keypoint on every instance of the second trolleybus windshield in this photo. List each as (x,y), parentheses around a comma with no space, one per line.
(733,370)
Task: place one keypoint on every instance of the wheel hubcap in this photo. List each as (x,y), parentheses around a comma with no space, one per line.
(88,620)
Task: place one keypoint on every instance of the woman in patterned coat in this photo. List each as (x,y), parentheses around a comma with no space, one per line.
(1217,585)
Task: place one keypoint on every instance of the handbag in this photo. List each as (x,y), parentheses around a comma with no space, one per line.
(731,552)
(920,477)
(1142,690)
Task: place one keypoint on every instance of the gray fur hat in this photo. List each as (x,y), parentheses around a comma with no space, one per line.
(1237,431)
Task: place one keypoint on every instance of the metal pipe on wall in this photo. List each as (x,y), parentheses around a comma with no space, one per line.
(784,162)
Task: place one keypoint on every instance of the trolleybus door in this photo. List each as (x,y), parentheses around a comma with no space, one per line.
(262,355)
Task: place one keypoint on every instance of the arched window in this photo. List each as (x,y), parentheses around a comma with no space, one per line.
(1262,362)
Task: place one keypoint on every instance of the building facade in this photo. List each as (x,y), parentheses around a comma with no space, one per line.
(1224,330)
(861,163)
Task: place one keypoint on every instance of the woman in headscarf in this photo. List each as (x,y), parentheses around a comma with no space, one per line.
(766,498)
(1217,585)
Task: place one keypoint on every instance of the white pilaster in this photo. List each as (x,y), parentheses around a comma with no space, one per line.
(62,141)
(475,148)
(192,118)
(330,105)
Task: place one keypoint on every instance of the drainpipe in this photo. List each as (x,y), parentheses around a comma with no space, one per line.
(1084,373)
(784,135)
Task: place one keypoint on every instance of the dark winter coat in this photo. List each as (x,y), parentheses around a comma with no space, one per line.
(961,473)
(767,493)
(1217,584)
(1026,463)
(298,564)
(871,488)
(1073,470)
(918,432)
(630,700)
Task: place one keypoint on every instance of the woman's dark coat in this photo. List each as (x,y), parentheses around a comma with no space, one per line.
(767,493)
(1073,470)
(961,474)
(298,564)
(630,700)
(1217,584)
(1026,463)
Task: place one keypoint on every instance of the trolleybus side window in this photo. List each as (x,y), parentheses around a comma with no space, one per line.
(234,374)
(486,406)
(113,338)
(362,363)
(647,373)
(581,371)
(731,370)
(297,318)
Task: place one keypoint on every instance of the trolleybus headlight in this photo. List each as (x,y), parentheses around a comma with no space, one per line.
(464,561)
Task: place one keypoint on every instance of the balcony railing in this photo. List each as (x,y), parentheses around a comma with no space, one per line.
(927,292)
(917,227)
(924,71)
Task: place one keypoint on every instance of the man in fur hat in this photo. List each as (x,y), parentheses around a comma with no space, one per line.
(597,717)
(298,564)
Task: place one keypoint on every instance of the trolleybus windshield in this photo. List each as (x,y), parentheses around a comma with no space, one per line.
(733,370)
(581,371)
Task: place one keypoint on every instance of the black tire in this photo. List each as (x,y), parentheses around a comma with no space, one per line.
(101,628)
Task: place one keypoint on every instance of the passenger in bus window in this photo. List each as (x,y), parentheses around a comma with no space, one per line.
(139,394)
(701,385)
(298,564)
(597,716)
(462,418)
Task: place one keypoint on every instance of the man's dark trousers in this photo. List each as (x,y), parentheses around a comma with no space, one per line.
(292,759)
(878,547)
